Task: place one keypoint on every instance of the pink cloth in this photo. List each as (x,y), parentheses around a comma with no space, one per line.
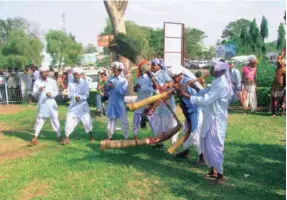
(249,73)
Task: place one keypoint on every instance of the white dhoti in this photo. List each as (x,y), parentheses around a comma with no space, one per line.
(194,138)
(163,124)
(112,123)
(251,96)
(40,121)
(72,122)
(213,147)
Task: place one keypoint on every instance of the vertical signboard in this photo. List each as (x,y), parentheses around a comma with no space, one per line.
(173,43)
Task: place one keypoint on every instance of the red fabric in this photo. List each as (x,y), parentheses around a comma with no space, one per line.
(140,65)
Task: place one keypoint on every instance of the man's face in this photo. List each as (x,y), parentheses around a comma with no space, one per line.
(177,78)
(154,68)
(9,70)
(115,71)
(44,75)
(230,66)
(77,77)
(104,78)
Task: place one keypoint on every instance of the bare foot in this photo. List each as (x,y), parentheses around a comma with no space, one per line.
(33,142)
(211,174)
(66,141)
(92,140)
(219,180)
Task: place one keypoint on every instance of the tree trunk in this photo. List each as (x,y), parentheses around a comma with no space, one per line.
(116,10)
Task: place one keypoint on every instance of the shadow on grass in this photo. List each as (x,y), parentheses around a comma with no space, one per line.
(264,163)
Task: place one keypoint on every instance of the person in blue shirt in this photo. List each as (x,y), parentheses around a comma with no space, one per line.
(78,92)
(116,108)
(164,119)
(145,89)
(193,114)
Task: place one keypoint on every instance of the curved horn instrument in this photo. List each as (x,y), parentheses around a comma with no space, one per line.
(181,140)
(149,100)
(148,141)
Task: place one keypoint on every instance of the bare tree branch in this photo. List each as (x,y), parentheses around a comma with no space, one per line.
(123,7)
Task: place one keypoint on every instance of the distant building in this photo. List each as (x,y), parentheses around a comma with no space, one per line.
(89,59)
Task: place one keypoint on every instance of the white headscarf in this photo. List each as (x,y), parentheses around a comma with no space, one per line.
(76,70)
(44,69)
(174,71)
(218,66)
(115,64)
(251,58)
(121,65)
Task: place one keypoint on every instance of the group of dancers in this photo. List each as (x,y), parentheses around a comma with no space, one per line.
(205,109)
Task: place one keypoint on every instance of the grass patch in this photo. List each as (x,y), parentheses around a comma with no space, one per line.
(254,145)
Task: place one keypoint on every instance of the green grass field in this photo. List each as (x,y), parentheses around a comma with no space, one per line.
(255,146)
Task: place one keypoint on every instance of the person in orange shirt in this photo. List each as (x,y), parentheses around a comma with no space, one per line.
(279,87)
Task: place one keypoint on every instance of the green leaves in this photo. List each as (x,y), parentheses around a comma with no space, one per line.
(193,42)
(63,48)
(281,41)
(19,45)
(264,28)
(126,47)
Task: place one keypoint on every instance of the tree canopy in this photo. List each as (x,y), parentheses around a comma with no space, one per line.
(281,40)
(19,45)
(150,40)
(90,48)
(63,48)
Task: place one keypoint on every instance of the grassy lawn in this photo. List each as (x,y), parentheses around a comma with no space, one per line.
(254,147)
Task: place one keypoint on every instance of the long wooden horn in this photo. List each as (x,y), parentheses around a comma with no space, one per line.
(149,100)
(148,141)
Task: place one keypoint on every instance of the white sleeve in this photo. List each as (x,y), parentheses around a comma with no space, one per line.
(207,98)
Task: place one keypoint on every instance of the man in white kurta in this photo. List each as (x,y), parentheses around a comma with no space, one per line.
(45,90)
(78,92)
(116,109)
(214,101)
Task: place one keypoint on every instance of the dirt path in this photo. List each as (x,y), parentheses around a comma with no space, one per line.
(10,109)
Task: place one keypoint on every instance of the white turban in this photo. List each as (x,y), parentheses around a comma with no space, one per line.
(224,66)
(121,65)
(174,71)
(251,58)
(118,65)
(221,66)
(76,70)
(44,69)
(115,64)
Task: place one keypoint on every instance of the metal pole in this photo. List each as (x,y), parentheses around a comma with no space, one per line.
(6,91)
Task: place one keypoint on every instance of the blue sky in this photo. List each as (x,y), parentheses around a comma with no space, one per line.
(87,19)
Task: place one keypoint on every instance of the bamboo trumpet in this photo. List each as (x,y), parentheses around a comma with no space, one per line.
(115,144)
(147,101)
